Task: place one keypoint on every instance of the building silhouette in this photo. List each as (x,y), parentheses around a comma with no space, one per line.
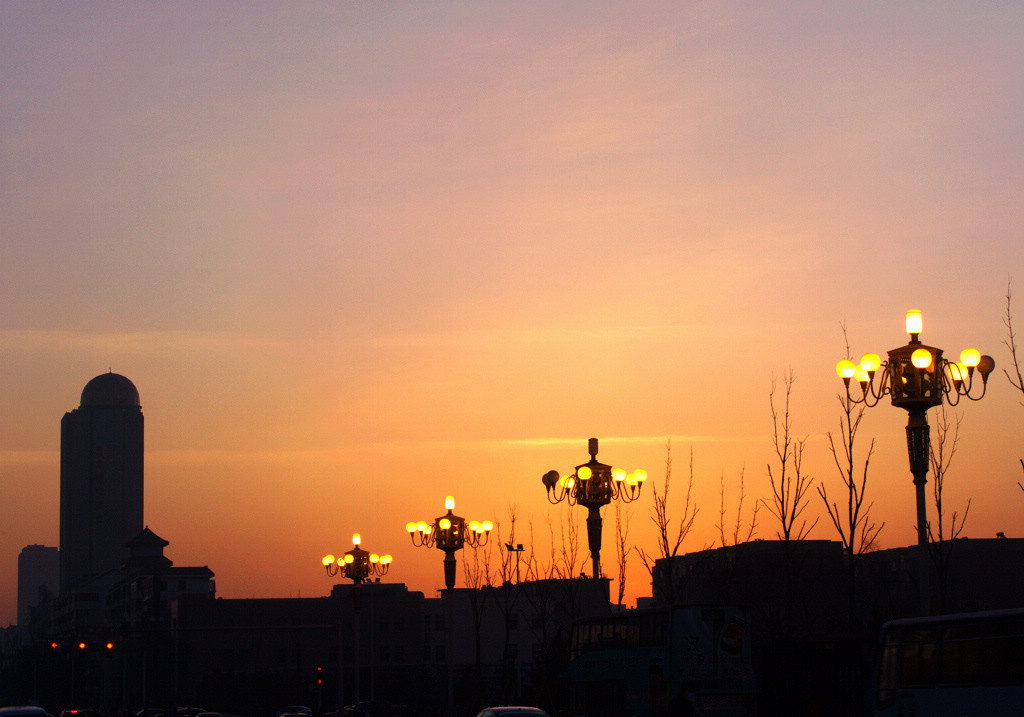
(129,629)
(812,650)
(38,578)
(101,482)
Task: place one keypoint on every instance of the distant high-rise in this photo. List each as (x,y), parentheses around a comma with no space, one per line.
(38,571)
(101,451)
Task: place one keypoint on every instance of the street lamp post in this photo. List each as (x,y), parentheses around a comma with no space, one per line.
(916,377)
(594,485)
(449,533)
(357,565)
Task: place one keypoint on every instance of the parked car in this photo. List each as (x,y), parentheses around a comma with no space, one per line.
(191,711)
(294,710)
(23,711)
(512,711)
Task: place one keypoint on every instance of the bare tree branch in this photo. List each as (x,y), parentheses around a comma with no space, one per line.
(940,456)
(1011,344)
(790,484)
(621,549)
(857,531)
(668,545)
(737,528)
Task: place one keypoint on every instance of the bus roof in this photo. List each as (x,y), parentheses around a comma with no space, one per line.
(955,617)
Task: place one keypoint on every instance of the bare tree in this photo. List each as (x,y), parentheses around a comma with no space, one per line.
(507,598)
(535,570)
(790,484)
(477,573)
(857,531)
(737,527)
(1016,379)
(568,562)
(662,582)
(940,455)
(621,547)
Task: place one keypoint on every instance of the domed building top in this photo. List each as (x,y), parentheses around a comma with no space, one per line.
(110,390)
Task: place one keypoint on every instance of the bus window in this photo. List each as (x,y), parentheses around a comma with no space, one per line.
(961,662)
(920,659)
(971,663)
(888,672)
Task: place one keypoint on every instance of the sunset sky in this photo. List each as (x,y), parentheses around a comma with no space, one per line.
(360,256)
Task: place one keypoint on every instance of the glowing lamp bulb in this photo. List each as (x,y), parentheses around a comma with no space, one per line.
(374,558)
(328,560)
(487,526)
(618,475)
(846,368)
(641,475)
(474,526)
(871,362)
(914,321)
(970,357)
(860,374)
(922,358)
(584,473)
(958,371)
(449,503)
(356,538)
(410,527)
(421,527)
(349,559)
(444,524)
(385,559)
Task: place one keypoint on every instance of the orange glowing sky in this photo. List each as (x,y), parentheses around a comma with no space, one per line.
(357,257)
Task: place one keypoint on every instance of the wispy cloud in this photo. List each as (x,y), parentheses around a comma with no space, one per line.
(135,342)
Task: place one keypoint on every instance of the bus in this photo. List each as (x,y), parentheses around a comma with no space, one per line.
(692,659)
(963,664)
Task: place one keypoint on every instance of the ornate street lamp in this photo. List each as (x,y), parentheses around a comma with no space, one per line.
(357,565)
(594,485)
(449,533)
(916,377)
